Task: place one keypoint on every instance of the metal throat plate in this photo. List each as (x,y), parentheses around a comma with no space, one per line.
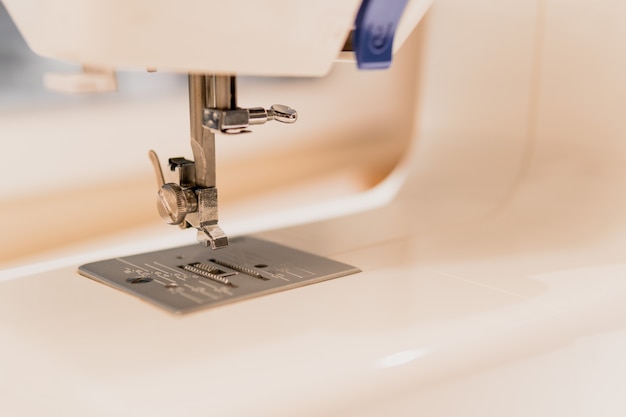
(192,278)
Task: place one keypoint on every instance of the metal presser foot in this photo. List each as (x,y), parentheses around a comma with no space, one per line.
(195,277)
(191,199)
(192,278)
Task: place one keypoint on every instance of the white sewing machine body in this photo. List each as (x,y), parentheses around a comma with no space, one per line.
(493,254)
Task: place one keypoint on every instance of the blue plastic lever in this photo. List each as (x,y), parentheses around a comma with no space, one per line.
(375,28)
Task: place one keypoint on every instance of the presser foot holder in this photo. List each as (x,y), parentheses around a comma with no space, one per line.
(192,278)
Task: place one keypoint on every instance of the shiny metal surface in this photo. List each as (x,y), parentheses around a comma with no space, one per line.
(202,140)
(172,204)
(205,90)
(207,220)
(226,121)
(212,235)
(192,278)
(222,91)
(175,200)
(186,205)
(193,201)
(282,113)
(237,120)
(185,170)
(158,171)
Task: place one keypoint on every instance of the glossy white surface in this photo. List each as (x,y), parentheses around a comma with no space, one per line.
(431,314)
(493,284)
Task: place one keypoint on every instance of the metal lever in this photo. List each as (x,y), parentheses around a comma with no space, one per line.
(158,172)
(237,120)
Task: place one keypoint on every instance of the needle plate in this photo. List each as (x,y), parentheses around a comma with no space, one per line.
(192,278)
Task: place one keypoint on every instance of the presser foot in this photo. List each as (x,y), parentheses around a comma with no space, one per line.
(192,278)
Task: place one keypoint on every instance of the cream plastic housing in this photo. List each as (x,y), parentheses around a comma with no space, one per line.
(264,37)
(492,285)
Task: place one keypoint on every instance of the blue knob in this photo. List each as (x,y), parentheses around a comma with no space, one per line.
(375,28)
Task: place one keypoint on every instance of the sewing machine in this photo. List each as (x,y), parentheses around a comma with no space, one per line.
(476,185)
